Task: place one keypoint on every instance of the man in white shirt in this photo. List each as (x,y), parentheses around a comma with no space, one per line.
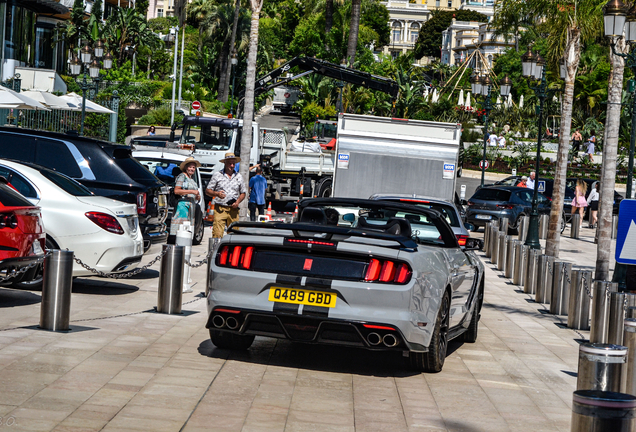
(530,182)
(502,141)
(493,140)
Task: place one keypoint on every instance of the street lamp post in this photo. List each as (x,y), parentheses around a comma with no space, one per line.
(234,61)
(483,86)
(89,59)
(533,67)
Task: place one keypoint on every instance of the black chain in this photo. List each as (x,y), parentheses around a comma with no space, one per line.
(202,262)
(587,288)
(121,275)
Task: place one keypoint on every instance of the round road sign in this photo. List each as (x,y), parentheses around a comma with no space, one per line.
(287,95)
(196,105)
(481,164)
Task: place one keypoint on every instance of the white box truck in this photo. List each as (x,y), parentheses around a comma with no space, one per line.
(386,155)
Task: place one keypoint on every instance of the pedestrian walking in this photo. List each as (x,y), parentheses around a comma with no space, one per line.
(187,193)
(577,139)
(579,202)
(258,187)
(591,142)
(592,201)
(228,190)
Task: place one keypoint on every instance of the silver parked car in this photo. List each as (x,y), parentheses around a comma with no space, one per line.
(363,273)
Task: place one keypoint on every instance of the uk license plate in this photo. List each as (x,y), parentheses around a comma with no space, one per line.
(480,216)
(302,296)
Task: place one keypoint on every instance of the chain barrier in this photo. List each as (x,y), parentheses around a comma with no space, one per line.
(121,275)
(567,277)
(17,272)
(202,262)
(586,286)
(550,269)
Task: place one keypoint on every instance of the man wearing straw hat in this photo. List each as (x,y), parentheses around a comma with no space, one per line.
(228,190)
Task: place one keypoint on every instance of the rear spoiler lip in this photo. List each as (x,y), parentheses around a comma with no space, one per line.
(405,242)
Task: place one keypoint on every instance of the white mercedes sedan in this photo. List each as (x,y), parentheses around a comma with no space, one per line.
(102,232)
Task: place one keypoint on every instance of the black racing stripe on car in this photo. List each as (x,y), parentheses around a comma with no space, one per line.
(286,308)
(316,311)
(325,283)
(283,279)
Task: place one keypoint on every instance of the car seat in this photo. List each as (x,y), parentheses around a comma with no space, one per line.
(395,226)
(313,215)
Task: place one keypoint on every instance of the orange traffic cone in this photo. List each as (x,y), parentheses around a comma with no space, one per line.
(295,216)
(210,213)
(268,213)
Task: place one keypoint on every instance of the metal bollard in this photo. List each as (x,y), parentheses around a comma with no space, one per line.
(503,250)
(629,341)
(575,226)
(523,264)
(487,237)
(580,299)
(511,258)
(523,228)
(171,280)
(614,226)
(599,330)
(601,367)
(503,225)
(561,282)
(530,285)
(494,254)
(544,279)
(492,239)
(57,282)
(597,411)
(630,305)
(544,221)
(516,271)
(213,244)
(616,318)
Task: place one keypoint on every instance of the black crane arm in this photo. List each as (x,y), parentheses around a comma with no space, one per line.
(330,70)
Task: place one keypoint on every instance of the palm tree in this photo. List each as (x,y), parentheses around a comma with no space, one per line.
(565,25)
(228,71)
(610,150)
(353,31)
(248,111)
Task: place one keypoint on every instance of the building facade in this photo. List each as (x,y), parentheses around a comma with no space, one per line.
(461,38)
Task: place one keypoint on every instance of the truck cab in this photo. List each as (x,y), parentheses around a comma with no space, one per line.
(209,139)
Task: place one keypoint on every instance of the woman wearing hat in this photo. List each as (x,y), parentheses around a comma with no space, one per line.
(187,191)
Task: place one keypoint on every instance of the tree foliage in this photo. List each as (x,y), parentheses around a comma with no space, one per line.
(429,40)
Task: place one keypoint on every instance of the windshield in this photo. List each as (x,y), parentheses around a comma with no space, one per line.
(325,130)
(68,185)
(208,137)
(387,220)
(488,194)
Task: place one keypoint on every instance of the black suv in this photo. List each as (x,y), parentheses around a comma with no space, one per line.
(107,169)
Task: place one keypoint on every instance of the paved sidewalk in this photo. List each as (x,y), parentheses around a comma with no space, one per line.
(125,367)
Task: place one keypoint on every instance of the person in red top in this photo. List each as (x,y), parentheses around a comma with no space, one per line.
(523,182)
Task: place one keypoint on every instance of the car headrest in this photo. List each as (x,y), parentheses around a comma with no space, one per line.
(395,226)
(314,215)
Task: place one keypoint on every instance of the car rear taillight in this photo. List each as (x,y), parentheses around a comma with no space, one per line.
(461,239)
(505,206)
(105,221)
(141,203)
(470,203)
(235,256)
(8,220)
(387,271)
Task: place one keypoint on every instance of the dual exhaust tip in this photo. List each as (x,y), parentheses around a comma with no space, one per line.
(389,339)
(230,322)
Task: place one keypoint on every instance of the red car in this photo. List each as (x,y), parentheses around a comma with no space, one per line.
(22,235)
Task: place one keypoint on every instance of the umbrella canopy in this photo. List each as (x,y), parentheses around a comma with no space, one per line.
(460,102)
(467,104)
(51,101)
(10,99)
(435,96)
(498,100)
(521,102)
(509,100)
(91,106)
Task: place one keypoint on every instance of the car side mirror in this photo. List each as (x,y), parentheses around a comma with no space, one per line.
(469,226)
(463,202)
(474,244)
(349,217)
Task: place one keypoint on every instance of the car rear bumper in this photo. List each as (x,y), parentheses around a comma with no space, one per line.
(310,329)
(9,264)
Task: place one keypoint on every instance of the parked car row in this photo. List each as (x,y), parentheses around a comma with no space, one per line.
(90,196)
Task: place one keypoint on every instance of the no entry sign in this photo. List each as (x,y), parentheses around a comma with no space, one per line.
(196,105)
(481,164)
